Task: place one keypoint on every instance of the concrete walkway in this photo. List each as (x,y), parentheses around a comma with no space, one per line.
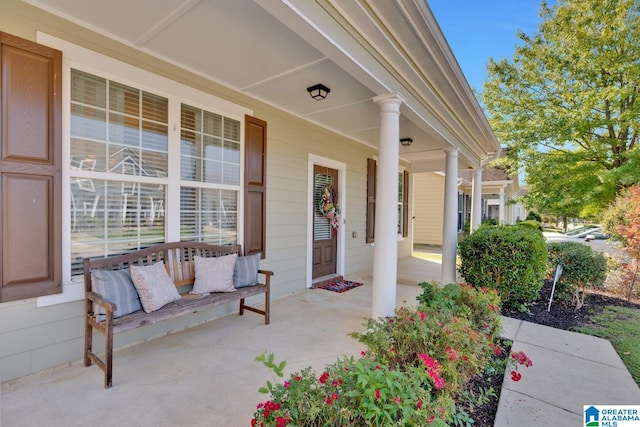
(207,376)
(569,370)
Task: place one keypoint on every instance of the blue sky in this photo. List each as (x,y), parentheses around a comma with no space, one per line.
(481,29)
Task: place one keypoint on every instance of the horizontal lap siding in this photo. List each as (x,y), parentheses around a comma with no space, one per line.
(428,208)
(23,326)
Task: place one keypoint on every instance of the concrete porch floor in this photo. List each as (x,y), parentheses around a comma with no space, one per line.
(207,376)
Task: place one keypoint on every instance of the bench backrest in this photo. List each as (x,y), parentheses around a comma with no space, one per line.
(177,257)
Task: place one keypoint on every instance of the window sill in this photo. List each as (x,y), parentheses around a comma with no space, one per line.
(71,292)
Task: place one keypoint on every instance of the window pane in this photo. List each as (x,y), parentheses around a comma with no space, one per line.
(133,146)
(112,217)
(203,147)
(88,122)
(209,215)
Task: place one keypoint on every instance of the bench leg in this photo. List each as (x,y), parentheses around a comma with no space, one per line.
(88,341)
(108,357)
(241,306)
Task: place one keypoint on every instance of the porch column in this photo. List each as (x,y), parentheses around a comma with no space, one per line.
(476,200)
(385,249)
(501,207)
(450,223)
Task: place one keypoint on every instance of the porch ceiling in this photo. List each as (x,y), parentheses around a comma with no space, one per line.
(273,50)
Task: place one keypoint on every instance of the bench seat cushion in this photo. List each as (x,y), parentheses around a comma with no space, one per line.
(155,287)
(115,286)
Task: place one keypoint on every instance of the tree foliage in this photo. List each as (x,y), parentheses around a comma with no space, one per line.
(622,221)
(567,104)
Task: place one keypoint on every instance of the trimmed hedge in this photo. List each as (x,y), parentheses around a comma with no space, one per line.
(582,267)
(509,259)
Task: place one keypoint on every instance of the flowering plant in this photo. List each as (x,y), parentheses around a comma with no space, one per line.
(518,359)
(413,372)
(328,206)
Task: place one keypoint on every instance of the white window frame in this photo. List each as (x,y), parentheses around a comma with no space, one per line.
(83,59)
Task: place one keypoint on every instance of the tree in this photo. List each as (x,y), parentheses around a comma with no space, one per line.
(567,104)
(622,221)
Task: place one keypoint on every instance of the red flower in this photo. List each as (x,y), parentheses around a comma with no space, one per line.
(422,315)
(334,396)
(419,404)
(328,401)
(298,377)
(324,377)
(516,376)
(497,350)
(377,394)
(397,400)
(253,422)
(363,353)
(452,354)
(287,384)
(522,358)
(282,421)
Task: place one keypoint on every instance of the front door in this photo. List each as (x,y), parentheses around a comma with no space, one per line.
(325,193)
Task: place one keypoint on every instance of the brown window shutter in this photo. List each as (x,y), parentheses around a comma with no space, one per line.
(30,169)
(255,211)
(405,204)
(371,200)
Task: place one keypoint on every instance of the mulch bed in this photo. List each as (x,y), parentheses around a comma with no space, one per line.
(562,316)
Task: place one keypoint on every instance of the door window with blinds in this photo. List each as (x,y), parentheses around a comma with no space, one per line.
(120,172)
(321,225)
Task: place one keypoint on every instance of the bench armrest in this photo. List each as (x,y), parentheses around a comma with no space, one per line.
(266,272)
(106,304)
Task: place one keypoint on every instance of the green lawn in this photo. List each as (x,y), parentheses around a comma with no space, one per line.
(621,326)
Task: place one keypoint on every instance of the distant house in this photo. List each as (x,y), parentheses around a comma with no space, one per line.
(140,122)
(498,190)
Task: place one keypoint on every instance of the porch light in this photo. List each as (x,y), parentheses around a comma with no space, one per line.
(406,141)
(318,92)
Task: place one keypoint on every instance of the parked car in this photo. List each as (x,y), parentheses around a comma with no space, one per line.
(596,235)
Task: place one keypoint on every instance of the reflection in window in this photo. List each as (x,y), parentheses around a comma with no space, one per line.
(117,130)
(210,156)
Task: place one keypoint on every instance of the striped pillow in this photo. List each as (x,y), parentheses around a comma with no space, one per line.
(115,286)
(246,271)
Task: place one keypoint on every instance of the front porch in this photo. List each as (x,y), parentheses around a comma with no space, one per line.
(206,375)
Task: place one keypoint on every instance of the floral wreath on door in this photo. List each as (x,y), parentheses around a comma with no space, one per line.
(328,206)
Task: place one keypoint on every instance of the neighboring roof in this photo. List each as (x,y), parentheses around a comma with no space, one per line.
(488,175)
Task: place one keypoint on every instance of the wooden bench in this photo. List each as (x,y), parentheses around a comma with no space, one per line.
(178,259)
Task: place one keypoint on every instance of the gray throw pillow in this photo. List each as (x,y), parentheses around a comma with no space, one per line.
(246,271)
(115,286)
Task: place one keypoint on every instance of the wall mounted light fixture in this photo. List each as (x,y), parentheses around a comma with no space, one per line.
(318,92)
(406,141)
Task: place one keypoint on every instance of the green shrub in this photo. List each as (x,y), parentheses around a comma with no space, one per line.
(533,216)
(480,305)
(582,268)
(510,259)
(532,223)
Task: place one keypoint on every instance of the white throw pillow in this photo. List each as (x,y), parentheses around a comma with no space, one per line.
(214,274)
(154,286)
